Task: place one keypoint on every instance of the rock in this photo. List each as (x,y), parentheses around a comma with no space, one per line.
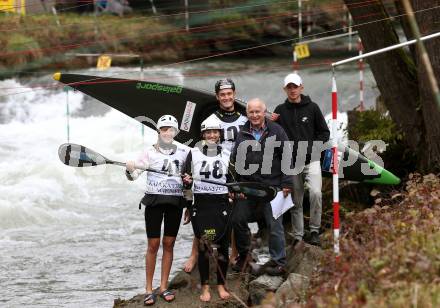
(303,259)
(292,291)
(181,280)
(259,288)
(374,193)
(370,211)
(261,291)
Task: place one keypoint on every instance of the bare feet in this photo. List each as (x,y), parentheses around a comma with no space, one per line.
(189,265)
(222,292)
(205,296)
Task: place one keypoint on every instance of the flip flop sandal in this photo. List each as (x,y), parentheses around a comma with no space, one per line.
(166,293)
(150,297)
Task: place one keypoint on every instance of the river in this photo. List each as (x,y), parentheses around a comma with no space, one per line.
(75,237)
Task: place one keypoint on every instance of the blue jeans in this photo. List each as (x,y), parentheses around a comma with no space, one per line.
(243,213)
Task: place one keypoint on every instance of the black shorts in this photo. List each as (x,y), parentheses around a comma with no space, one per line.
(159,209)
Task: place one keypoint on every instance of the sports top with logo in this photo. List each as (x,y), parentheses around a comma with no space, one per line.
(231,123)
(213,168)
(172,162)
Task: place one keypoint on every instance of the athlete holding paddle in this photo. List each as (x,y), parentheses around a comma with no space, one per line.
(211,208)
(163,202)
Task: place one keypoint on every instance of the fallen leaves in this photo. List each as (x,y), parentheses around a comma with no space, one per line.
(388,249)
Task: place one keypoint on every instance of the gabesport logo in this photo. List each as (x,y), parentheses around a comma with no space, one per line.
(159,87)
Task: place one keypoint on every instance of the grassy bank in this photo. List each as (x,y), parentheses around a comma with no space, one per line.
(390,253)
(41,41)
(33,42)
(37,41)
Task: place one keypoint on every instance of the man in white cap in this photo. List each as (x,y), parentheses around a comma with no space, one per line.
(304,124)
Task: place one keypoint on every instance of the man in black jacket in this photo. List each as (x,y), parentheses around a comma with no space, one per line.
(256,157)
(305,126)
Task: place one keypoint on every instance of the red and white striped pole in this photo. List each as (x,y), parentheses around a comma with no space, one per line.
(335,166)
(361,76)
(295,61)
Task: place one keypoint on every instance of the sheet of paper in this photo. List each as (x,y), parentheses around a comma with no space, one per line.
(280,205)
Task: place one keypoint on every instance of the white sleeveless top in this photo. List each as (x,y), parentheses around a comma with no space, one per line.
(230,130)
(212,168)
(162,184)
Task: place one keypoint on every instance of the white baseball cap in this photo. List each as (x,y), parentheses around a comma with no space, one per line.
(293,78)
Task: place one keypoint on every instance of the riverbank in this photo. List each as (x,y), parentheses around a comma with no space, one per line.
(389,259)
(389,252)
(33,42)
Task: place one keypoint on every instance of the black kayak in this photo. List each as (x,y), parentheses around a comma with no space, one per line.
(146,101)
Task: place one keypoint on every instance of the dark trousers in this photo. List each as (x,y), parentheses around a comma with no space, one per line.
(210,220)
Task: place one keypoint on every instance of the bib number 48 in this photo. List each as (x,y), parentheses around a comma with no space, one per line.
(205,170)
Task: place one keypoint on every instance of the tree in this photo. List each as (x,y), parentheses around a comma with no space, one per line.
(400,76)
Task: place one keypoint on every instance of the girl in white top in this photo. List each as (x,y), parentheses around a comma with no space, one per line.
(211,209)
(163,201)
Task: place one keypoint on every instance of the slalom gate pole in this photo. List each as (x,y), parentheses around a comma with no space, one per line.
(141,64)
(350,32)
(336,224)
(361,76)
(309,19)
(186,16)
(295,62)
(300,30)
(295,56)
(66,88)
(382,50)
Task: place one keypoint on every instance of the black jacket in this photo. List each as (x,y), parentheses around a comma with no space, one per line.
(275,176)
(303,122)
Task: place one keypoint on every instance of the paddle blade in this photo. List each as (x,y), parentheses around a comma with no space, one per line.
(76,155)
(254,190)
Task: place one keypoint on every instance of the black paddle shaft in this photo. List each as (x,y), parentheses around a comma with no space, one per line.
(76,155)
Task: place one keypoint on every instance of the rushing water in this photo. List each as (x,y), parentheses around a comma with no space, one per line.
(75,237)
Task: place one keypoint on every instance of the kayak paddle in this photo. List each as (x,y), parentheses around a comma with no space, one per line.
(76,155)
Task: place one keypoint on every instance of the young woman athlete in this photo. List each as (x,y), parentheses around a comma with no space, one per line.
(163,202)
(211,208)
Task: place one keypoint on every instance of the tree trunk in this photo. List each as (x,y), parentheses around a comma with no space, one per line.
(406,27)
(394,71)
(429,22)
